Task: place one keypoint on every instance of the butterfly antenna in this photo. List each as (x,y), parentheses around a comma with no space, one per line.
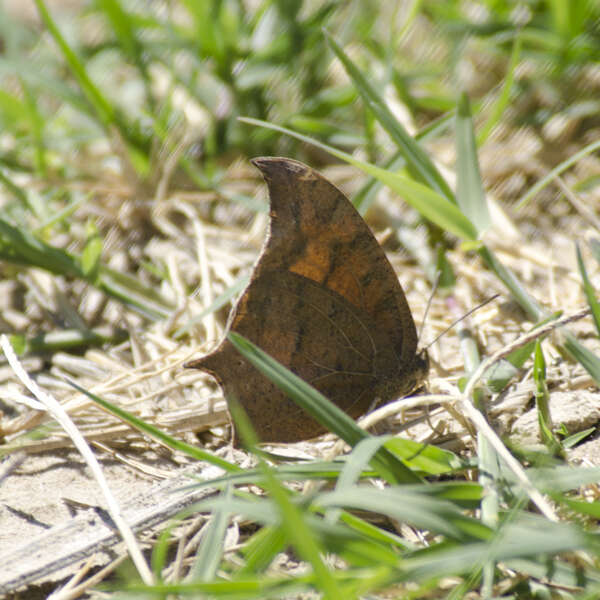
(433,291)
(470,312)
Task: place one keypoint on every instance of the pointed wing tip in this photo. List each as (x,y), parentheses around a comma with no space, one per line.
(204,363)
(213,363)
(197,363)
(270,165)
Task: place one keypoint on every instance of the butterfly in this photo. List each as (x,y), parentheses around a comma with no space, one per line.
(325,302)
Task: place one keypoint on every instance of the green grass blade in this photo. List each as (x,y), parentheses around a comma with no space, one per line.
(365,196)
(22,247)
(320,408)
(102,106)
(261,549)
(154,432)
(519,293)
(499,374)
(364,527)
(160,551)
(594,245)
(589,361)
(574,440)
(408,505)
(357,461)
(517,541)
(91,254)
(583,507)
(425,458)
(242,589)
(504,98)
(292,517)
(469,192)
(418,162)
(563,166)
(542,401)
(224,298)
(562,478)
(124,28)
(36,121)
(53,341)
(129,290)
(15,190)
(210,552)
(104,111)
(40,79)
(210,37)
(430,204)
(590,293)
(13,110)
(309,471)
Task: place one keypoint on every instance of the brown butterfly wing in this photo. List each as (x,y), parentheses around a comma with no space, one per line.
(324,301)
(312,331)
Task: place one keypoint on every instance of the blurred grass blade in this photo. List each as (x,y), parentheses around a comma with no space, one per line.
(430,204)
(515,541)
(320,408)
(425,458)
(261,549)
(357,462)
(209,34)
(160,551)
(487,458)
(503,99)
(52,341)
(210,551)
(37,124)
(563,166)
(562,478)
(469,192)
(123,27)
(589,361)
(365,196)
(499,374)
(594,245)
(305,471)
(519,293)
(232,291)
(409,505)
(102,106)
(249,588)
(22,247)
(590,293)
(542,401)
(418,162)
(91,254)
(293,517)
(105,112)
(13,108)
(129,290)
(157,434)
